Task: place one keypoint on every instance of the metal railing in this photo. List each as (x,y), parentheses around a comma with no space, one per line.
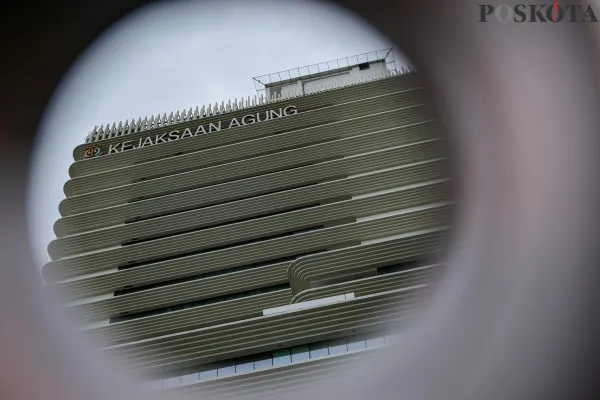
(327,68)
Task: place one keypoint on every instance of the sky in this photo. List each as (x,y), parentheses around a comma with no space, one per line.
(172,56)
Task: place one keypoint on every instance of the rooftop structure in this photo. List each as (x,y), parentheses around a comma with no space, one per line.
(339,72)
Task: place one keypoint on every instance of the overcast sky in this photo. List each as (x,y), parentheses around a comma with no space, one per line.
(173,56)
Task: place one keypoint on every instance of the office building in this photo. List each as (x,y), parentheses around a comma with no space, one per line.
(249,246)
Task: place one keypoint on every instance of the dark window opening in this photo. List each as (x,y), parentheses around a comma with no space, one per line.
(169,234)
(212,273)
(198,303)
(403,266)
(180,210)
(230,160)
(363,66)
(227,122)
(224,181)
(135,264)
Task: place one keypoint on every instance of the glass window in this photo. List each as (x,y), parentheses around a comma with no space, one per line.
(356,344)
(319,350)
(337,346)
(189,379)
(171,382)
(205,375)
(246,367)
(376,342)
(264,363)
(281,357)
(300,353)
(226,371)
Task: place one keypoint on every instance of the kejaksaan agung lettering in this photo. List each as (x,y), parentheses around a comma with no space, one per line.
(201,130)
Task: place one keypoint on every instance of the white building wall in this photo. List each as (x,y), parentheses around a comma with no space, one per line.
(310,85)
(375,69)
(292,89)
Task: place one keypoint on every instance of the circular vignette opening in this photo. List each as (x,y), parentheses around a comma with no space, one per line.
(388,116)
(539,300)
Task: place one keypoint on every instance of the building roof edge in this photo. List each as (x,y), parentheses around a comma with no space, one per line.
(117,129)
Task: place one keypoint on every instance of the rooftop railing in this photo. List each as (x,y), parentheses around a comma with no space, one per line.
(324,69)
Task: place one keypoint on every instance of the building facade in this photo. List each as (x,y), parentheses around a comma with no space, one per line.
(245,248)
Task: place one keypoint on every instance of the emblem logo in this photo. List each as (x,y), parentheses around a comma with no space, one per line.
(92,151)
